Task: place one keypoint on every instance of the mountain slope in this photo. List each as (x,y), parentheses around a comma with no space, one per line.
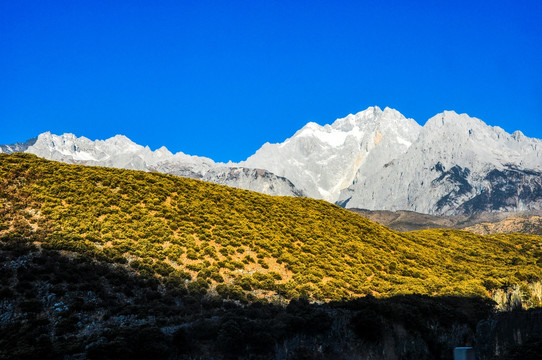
(375,160)
(121,152)
(458,165)
(324,160)
(512,224)
(100,263)
(240,243)
(57,305)
(409,220)
(526,222)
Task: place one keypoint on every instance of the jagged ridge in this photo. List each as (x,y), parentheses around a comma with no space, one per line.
(121,152)
(376,159)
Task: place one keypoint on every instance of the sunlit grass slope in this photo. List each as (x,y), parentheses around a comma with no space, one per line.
(208,237)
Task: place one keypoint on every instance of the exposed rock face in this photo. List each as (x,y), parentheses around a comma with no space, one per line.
(379,160)
(507,189)
(324,160)
(121,152)
(252,179)
(375,160)
(243,178)
(457,165)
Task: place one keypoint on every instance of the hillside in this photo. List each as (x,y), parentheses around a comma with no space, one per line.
(99,263)
(241,243)
(402,220)
(59,306)
(484,223)
(512,224)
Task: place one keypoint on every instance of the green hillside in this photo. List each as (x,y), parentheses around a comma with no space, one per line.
(201,237)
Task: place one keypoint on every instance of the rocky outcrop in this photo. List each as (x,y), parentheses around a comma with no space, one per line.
(253,179)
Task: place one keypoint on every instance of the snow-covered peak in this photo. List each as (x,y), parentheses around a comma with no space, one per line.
(163,152)
(121,141)
(63,146)
(325,134)
(519,136)
(452,121)
(58,140)
(361,118)
(122,144)
(371,119)
(454,159)
(450,134)
(323,160)
(117,151)
(375,118)
(121,152)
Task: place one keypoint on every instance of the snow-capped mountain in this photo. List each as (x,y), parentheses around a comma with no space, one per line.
(324,160)
(118,151)
(121,152)
(379,160)
(17,147)
(458,164)
(376,160)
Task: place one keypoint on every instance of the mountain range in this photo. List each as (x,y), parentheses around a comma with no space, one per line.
(376,160)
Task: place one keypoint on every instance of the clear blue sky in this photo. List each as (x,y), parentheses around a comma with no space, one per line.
(220,78)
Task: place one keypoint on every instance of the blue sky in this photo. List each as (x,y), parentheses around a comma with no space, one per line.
(219,79)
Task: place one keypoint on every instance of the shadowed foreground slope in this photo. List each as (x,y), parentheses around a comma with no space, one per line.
(56,305)
(66,306)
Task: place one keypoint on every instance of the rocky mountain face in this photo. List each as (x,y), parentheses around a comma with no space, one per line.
(379,160)
(324,160)
(375,160)
(458,165)
(121,152)
(17,147)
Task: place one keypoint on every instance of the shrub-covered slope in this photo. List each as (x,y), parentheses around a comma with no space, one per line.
(512,224)
(208,237)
